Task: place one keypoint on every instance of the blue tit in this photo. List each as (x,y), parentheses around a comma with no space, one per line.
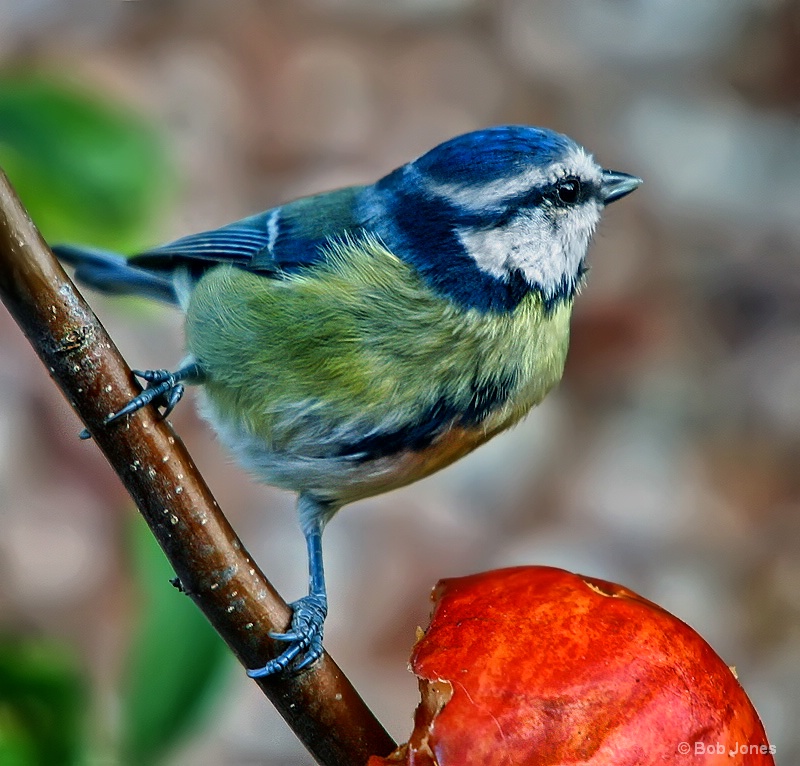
(351,342)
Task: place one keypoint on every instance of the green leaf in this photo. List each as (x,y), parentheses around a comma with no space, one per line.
(42,704)
(177,661)
(88,171)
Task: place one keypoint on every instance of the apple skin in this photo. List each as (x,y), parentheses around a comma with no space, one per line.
(536,666)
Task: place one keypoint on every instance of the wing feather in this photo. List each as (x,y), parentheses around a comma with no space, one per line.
(286,238)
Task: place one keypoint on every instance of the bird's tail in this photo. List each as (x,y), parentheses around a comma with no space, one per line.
(111,273)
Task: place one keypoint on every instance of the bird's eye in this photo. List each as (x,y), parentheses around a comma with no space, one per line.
(568,190)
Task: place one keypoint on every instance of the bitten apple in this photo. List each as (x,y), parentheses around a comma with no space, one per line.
(535,666)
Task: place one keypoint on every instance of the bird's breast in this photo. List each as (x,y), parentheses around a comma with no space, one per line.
(358,379)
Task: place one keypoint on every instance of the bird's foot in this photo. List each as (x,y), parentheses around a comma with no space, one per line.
(304,638)
(164,390)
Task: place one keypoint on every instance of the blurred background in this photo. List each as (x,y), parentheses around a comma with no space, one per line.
(668,459)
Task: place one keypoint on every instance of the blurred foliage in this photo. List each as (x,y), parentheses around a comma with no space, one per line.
(87,170)
(42,704)
(175,668)
(175,664)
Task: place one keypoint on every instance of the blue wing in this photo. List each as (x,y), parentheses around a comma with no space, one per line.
(239,243)
(282,239)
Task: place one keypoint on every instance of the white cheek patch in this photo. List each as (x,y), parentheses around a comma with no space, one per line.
(498,251)
(548,251)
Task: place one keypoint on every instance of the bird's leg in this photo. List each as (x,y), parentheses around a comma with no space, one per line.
(164,389)
(304,637)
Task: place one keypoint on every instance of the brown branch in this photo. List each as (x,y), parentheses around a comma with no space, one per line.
(320,705)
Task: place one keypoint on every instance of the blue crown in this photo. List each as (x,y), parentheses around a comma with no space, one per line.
(493,153)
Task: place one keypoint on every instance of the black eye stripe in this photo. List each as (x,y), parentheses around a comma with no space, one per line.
(574,191)
(566,191)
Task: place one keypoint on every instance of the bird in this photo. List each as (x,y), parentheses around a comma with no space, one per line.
(357,340)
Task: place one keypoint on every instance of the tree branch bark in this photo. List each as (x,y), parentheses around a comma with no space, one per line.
(215,570)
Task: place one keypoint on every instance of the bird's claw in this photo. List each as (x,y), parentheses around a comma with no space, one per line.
(163,390)
(304,638)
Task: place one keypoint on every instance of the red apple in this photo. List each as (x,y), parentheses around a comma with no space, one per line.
(536,666)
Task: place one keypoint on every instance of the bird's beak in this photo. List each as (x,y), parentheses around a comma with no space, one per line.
(617,185)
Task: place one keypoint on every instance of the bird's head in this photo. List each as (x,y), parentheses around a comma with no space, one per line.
(492,215)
